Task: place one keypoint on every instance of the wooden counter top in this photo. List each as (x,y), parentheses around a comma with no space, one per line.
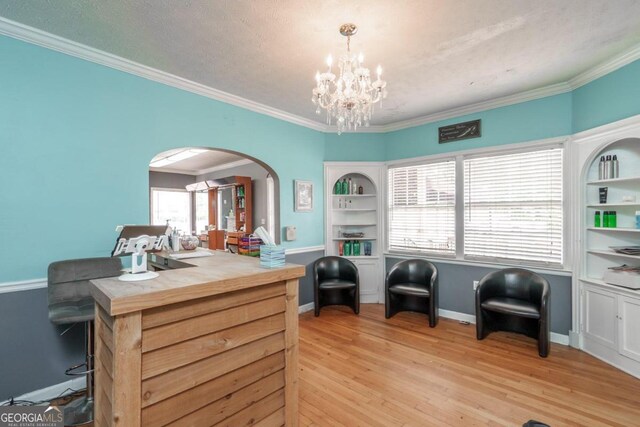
(217,274)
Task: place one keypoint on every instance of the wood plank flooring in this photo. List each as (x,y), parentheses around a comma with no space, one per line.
(368,371)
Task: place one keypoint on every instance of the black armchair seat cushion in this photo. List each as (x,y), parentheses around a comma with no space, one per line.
(412,289)
(412,285)
(336,284)
(514,306)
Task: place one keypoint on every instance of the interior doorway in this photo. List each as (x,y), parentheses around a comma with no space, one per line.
(217,195)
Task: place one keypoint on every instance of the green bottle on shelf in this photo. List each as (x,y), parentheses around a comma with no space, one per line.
(345,186)
(356,248)
(347,248)
(337,188)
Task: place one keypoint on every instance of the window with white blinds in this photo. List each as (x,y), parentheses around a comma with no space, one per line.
(513,207)
(422,208)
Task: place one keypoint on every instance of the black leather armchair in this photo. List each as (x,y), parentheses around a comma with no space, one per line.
(412,285)
(514,300)
(336,282)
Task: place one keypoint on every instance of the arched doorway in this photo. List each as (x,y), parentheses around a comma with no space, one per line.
(213,193)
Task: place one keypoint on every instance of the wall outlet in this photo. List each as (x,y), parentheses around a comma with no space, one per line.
(475,284)
(263,221)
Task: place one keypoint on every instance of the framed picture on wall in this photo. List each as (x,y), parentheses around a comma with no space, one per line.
(303,196)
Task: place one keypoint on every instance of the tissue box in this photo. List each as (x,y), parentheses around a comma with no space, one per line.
(271,256)
(626,279)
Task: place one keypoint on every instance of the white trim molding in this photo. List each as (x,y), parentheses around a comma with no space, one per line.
(22,285)
(606,67)
(463,317)
(59,44)
(624,128)
(479,264)
(294,251)
(491,104)
(305,307)
(27,285)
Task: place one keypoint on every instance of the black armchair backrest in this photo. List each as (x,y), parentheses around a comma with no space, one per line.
(334,267)
(418,271)
(514,283)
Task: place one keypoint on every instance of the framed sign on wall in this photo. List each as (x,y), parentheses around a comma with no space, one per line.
(459,131)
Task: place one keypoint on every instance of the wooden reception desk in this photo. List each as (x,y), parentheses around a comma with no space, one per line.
(213,344)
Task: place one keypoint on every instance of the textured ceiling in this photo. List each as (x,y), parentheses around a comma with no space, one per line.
(437,55)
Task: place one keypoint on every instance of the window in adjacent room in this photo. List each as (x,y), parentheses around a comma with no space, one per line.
(202,211)
(513,207)
(422,208)
(172,205)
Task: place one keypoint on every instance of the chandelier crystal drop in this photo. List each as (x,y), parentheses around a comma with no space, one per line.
(349,98)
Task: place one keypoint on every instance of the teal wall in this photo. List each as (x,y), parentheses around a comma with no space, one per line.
(76,142)
(528,121)
(612,97)
(364,147)
(77,137)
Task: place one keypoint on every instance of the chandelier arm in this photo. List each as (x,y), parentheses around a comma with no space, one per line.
(324,104)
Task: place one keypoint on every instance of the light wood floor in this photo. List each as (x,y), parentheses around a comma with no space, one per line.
(368,371)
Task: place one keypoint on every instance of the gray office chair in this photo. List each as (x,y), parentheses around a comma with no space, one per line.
(71,302)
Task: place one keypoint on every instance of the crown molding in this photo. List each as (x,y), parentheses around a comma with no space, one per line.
(504,101)
(606,67)
(50,41)
(60,44)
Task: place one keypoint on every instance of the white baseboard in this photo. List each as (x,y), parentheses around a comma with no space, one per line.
(463,317)
(305,307)
(52,392)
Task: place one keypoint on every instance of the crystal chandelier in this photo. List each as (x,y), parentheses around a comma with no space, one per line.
(349,98)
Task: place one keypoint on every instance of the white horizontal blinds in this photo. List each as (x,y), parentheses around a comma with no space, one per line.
(422,208)
(513,207)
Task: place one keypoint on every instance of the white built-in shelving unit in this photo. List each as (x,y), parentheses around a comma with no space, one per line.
(609,314)
(357,213)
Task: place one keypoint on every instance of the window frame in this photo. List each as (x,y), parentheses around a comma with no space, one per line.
(175,190)
(387,227)
(459,157)
(512,261)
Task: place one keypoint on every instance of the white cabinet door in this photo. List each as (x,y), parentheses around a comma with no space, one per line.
(600,311)
(370,280)
(629,327)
